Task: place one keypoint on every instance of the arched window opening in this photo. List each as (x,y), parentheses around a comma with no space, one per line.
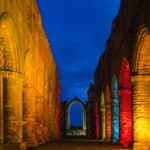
(76,118)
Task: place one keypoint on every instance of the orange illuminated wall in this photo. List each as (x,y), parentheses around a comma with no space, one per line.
(125,104)
(108,114)
(97,120)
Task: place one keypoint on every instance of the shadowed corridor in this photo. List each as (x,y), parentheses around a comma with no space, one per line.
(75,143)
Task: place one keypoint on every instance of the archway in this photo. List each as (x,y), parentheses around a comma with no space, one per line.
(115,110)
(141,89)
(10,84)
(76,132)
(125,104)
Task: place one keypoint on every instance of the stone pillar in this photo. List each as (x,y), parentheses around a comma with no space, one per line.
(68,119)
(125,117)
(84,118)
(108,121)
(41,119)
(13,113)
(141,112)
(29,116)
(108,114)
(115,119)
(52,115)
(103,123)
(1,111)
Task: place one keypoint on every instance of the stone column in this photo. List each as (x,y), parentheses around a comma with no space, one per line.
(115,118)
(68,119)
(84,118)
(13,112)
(141,112)
(108,121)
(40,119)
(29,116)
(103,123)
(125,117)
(1,111)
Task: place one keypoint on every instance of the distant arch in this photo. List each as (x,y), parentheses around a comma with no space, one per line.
(83,130)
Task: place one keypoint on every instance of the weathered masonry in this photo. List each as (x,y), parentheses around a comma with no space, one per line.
(122,79)
(29,85)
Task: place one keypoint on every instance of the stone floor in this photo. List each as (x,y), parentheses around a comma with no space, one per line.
(80,144)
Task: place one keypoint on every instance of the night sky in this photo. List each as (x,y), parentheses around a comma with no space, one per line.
(77,31)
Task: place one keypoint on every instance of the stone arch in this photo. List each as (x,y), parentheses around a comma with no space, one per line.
(108,113)
(11,83)
(141,58)
(103,116)
(141,89)
(125,103)
(115,110)
(83,131)
(9,51)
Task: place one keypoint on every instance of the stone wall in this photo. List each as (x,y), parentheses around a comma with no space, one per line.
(129,40)
(29,84)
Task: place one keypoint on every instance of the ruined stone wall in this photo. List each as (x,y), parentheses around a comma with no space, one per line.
(130,41)
(30,90)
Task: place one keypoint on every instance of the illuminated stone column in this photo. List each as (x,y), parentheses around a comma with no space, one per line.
(52,117)
(103,117)
(40,119)
(13,116)
(125,114)
(108,115)
(1,111)
(125,117)
(97,125)
(115,111)
(84,119)
(46,121)
(141,112)
(29,116)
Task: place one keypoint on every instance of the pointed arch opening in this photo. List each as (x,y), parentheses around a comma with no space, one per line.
(82,130)
(10,82)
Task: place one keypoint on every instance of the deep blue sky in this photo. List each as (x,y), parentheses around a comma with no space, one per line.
(77,31)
